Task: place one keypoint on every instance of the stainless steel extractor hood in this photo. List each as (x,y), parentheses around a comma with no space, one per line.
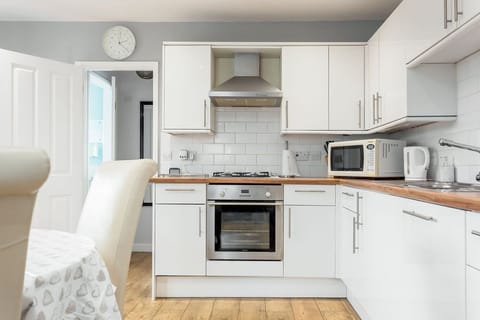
(246,88)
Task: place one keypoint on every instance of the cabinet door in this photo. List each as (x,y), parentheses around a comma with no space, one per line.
(187,81)
(467,9)
(347,87)
(180,240)
(309,241)
(473,294)
(305,88)
(433,276)
(373,88)
(426,22)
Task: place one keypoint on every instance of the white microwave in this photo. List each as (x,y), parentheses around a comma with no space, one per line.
(372,158)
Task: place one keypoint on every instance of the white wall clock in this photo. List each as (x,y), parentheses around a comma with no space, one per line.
(118,42)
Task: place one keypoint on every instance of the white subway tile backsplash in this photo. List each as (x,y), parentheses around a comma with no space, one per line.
(224,138)
(214,148)
(246,138)
(466,129)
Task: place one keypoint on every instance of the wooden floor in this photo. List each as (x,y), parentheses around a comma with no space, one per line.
(139,305)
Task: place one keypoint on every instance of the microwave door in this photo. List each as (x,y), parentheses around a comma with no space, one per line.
(353,158)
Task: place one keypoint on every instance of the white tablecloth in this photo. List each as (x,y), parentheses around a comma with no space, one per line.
(65,278)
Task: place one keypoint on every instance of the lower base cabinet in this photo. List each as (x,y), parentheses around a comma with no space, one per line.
(473,293)
(411,259)
(309,240)
(180,242)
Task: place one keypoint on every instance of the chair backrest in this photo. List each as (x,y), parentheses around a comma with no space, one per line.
(22,173)
(111,212)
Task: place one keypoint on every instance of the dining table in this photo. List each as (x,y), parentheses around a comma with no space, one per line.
(66,278)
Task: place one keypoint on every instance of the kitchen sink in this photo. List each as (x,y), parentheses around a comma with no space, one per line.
(444,186)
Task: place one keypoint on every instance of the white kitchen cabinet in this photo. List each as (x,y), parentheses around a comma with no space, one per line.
(305,88)
(186,83)
(398,96)
(180,244)
(468,9)
(433,277)
(473,293)
(309,241)
(346,88)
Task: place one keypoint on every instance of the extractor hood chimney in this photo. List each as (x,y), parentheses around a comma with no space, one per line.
(246,88)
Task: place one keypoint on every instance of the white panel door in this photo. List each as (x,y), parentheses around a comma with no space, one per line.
(468,10)
(41,105)
(433,271)
(180,243)
(473,293)
(373,82)
(187,81)
(305,88)
(347,87)
(309,241)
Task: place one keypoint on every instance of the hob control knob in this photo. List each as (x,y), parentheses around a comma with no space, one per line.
(268,194)
(222,194)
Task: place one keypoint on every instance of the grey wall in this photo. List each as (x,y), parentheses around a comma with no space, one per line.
(73,41)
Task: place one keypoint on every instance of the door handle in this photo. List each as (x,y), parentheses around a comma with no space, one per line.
(455,9)
(199,222)
(180,190)
(204,112)
(476,233)
(446,21)
(373,109)
(286,114)
(289,223)
(420,216)
(355,247)
(311,191)
(378,107)
(348,194)
(360,114)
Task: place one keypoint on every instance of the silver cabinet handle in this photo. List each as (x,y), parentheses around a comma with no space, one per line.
(179,190)
(358,210)
(348,194)
(286,114)
(476,233)
(420,216)
(289,223)
(318,191)
(360,114)
(455,9)
(446,21)
(204,112)
(379,117)
(219,203)
(373,109)
(355,247)
(199,222)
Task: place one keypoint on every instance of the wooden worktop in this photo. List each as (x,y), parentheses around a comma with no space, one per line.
(461,200)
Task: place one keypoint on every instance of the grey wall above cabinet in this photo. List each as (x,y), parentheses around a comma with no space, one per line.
(73,41)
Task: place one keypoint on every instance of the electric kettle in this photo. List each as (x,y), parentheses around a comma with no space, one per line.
(416,163)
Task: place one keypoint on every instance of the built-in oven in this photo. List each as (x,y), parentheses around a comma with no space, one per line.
(245,222)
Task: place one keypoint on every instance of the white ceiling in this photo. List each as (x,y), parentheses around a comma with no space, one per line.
(195,10)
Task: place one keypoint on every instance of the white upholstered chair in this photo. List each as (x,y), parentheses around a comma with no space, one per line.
(22,173)
(111,212)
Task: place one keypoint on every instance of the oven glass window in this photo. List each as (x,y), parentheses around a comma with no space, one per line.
(347,158)
(245,228)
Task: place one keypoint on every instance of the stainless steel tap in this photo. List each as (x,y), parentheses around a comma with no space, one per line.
(450,143)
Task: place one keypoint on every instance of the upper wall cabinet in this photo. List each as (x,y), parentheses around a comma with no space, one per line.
(186,83)
(305,89)
(347,88)
(398,97)
(440,31)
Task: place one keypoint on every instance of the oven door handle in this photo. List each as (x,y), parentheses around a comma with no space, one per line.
(214,203)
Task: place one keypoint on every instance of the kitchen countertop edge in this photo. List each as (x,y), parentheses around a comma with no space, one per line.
(469,201)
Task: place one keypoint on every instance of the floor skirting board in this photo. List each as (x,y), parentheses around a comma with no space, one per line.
(249,287)
(357,306)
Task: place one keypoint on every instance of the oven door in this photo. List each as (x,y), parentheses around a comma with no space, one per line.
(245,230)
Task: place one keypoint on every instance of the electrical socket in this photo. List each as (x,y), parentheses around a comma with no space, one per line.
(302,155)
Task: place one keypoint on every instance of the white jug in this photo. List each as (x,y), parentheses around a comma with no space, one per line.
(416,163)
